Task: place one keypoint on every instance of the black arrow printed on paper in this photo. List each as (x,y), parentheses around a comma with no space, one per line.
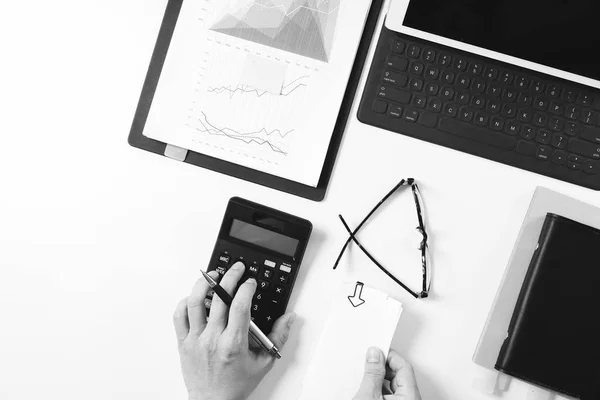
(355,299)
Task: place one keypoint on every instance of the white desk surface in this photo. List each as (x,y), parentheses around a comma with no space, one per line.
(98,240)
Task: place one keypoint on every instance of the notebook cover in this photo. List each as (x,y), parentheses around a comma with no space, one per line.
(554,336)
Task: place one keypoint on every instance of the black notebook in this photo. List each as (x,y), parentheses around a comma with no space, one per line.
(554,335)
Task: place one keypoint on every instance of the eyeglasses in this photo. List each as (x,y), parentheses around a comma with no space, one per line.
(423,247)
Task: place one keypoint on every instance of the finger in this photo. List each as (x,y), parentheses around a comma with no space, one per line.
(372,383)
(239,315)
(180,320)
(219,312)
(402,377)
(195,305)
(281,330)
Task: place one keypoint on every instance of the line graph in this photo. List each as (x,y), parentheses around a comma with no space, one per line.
(286,90)
(302,27)
(248,137)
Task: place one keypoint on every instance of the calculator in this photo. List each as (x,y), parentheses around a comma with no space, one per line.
(271,244)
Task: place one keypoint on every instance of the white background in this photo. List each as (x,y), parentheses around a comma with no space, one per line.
(98,241)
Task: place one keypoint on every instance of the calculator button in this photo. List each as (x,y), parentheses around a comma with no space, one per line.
(210,294)
(259,296)
(263,285)
(285,268)
(267,274)
(284,278)
(224,258)
(255,308)
(253,270)
(207,303)
(221,270)
(270,264)
(279,290)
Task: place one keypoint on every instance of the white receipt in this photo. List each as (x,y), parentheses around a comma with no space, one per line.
(368,319)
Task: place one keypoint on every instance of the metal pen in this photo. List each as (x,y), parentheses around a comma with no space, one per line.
(254,332)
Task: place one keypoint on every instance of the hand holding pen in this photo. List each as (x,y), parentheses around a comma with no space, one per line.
(216,358)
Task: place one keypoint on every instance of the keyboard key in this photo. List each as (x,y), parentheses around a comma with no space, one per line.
(557,108)
(540,119)
(540,103)
(572,129)
(528,132)
(528,149)
(491,73)
(478,102)
(460,64)
(590,167)
(543,153)
(572,112)
(584,99)
(411,115)
(559,141)
(521,82)
(480,135)
(448,77)
(429,55)
(463,98)
(466,115)
(432,89)
(509,95)
(538,87)
(593,135)
(397,63)
(588,117)
(481,119)
(463,81)
(553,91)
(419,101)
(416,68)
(380,106)
(559,158)
(416,85)
(263,285)
(413,51)
(585,149)
(279,290)
(393,94)
(494,91)
(543,137)
(395,111)
(513,128)
(450,110)
(267,274)
(497,123)
(394,78)
(398,47)
(253,270)
(224,259)
(447,93)
(428,120)
(444,59)
(506,77)
(432,73)
(573,166)
(524,99)
(493,107)
(478,85)
(434,105)
(575,159)
(284,278)
(556,124)
(476,69)
(569,96)
(524,115)
(509,110)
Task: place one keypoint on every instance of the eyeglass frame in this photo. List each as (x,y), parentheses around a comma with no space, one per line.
(423,247)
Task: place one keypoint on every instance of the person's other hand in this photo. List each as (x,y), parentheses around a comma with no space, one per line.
(216,359)
(396,371)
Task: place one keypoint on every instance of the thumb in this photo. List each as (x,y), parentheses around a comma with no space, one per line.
(372,383)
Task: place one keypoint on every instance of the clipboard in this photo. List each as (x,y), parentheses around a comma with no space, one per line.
(137,139)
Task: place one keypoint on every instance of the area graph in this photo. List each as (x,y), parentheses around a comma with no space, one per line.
(302,27)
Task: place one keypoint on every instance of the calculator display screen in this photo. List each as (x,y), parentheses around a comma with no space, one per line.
(556,33)
(263,237)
